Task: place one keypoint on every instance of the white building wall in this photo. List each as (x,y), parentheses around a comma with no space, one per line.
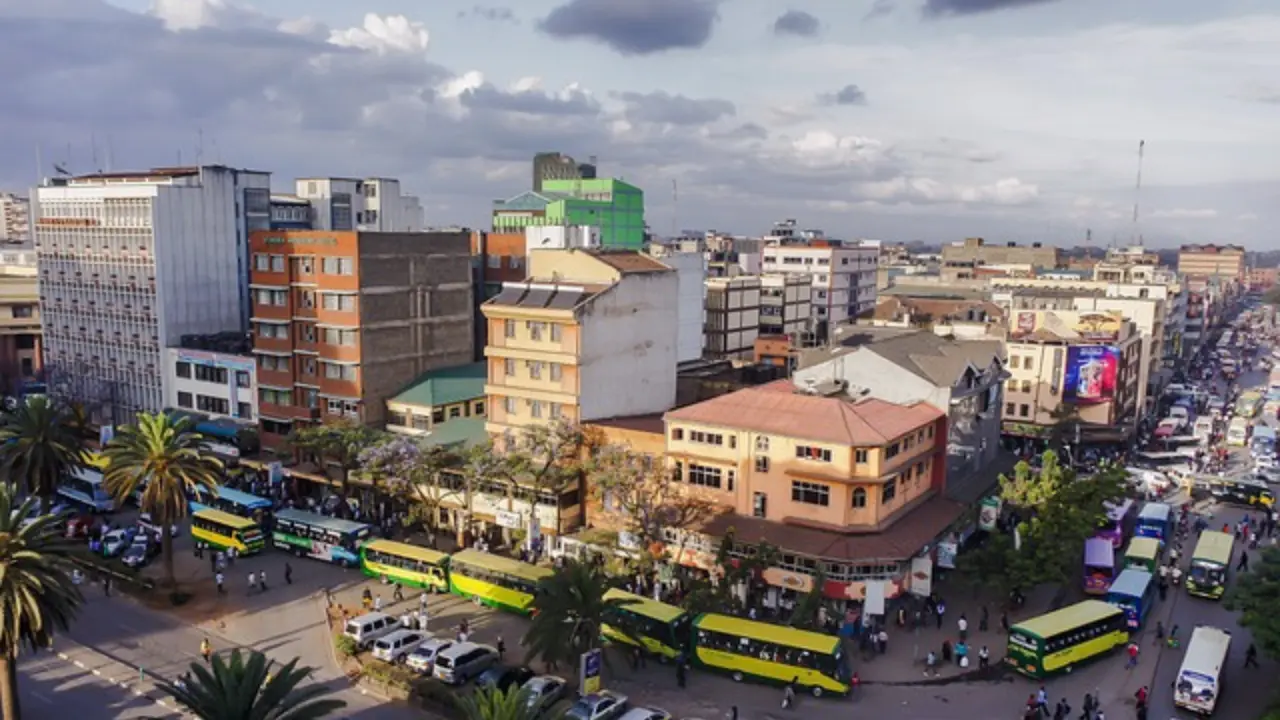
(691,275)
(629,348)
(885,380)
(560,237)
(240,391)
(844,278)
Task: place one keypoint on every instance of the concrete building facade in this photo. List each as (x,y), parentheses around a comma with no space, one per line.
(15,218)
(217,384)
(786,307)
(1221,261)
(363,204)
(732,316)
(966,260)
(614,207)
(21,357)
(843,278)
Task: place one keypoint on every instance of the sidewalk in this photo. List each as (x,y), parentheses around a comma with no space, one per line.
(136,681)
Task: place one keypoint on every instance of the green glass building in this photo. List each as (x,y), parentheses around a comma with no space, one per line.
(613,206)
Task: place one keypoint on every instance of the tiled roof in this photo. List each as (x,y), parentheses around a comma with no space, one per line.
(779,409)
(629,261)
(939,360)
(445,386)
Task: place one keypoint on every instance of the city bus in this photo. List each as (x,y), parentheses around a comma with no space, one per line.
(1143,553)
(661,629)
(84,488)
(1116,527)
(1235,490)
(316,536)
(243,438)
(1249,404)
(1063,639)
(1154,521)
(1099,566)
(747,649)
(406,564)
(1210,564)
(223,530)
(246,505)
(1238,432)
(496,581)
(1134,592)
(1200,678)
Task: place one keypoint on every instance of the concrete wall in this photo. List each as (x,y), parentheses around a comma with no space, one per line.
(629,343)
(691,274)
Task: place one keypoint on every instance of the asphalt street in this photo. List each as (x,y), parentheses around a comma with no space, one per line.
(49,687)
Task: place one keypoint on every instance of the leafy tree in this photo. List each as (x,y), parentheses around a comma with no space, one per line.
(335,450)
(1256,595)
(998,565)
(37,596)
(1272,296)
(162,457)
(644,492)
(570,609)
(544,457)
(405,468)
(1030,488)
(246,689)
(493,703)
(805,613)
(38,446)
(480,462)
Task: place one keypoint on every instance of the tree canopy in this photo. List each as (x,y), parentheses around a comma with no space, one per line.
(1256,595)
(642,491)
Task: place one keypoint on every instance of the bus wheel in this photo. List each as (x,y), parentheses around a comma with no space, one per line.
(737,677)
(817,691)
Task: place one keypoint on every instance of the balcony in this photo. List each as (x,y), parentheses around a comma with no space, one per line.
(272,344)
(287,412)
(275,378)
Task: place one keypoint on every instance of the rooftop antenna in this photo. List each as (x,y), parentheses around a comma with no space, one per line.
(1088,242)
(675,206)
(93,152)
(199,145)
(1137,194)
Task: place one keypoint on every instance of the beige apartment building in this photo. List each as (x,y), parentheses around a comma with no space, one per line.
(973,257)
(1221,261)
(20,337)
(732,316)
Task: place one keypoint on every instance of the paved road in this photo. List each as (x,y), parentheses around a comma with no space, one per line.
(50,687)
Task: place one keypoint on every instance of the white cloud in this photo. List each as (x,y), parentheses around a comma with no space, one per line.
(1247,217)
(1186,214)
(393,33)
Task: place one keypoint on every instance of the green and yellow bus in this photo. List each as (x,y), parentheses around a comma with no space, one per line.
(1061,640)
(1209,565)
(1143,553)
(661,629)
(406,564)
(224,530)
(496,581)
(771,653)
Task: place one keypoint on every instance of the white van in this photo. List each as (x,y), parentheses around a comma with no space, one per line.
(464,661)
(396,646)
(367,628)
(1200,679)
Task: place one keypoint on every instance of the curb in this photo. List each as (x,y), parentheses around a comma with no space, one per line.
(358,684)
(125,682)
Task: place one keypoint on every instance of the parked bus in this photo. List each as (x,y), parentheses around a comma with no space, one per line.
(84,488)
(324,538)
(406,564)
(228,500)
(1143,553)
(1063,639)
(1238,432)
(494,580)
(661,629)
(1210,564)
(1099,566)
(224,530)
(1134,592)
(243,438)
(1200,678)
(1154,521)
(1119,519)
(749,649)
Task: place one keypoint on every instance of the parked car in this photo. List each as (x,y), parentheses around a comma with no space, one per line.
(603,705)
(116,541)
(645,714)
(140,551)
(544,691)
(504,676)
(463,661)
(145,522)
(367,628)
(395,647)
(423,658)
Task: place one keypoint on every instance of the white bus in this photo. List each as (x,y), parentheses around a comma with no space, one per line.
(1200,680)
(83,487)
(1238,432)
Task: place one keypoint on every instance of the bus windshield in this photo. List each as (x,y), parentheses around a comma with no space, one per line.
(1113,528)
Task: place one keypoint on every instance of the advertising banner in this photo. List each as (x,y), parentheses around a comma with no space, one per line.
(1091,374)
(589,666)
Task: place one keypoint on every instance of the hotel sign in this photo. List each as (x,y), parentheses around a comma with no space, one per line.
(291,240)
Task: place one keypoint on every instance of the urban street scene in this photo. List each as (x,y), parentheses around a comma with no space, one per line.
(964,414)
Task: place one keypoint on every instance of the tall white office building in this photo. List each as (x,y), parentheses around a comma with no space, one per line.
(844,278)
(368,205)
(131,262)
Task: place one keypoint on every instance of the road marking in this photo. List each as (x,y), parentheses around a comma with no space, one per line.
(63,656)
(78,664)
(37,695)
(96,671)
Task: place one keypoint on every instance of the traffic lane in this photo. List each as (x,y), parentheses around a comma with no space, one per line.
(49,687)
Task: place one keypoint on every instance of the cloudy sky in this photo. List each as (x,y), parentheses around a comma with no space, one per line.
(892,119)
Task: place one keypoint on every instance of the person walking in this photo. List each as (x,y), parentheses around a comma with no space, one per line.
(253,581)
(1251,656)
(1141,696)
(219,579)
(962,625)
(984,621)
(1133,651)
(1086,711)
(931,664)
(984,658)
(288,574)
(377,604)
(789,694)
(1159,632)
(680,673)
(206,650)
(1243,565)
(1042,700)
(940,610)
(262,580)
(397,593)
(106,585)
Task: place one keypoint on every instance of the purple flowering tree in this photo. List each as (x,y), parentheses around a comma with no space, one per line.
(407,469)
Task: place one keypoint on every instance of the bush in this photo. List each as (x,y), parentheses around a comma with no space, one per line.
(436,695)
(392,676)
(345,645)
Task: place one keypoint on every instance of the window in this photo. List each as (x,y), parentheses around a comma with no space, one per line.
(509,328)
(334,336)
(184,400)
(557,411)
(509,404)
(859,498)
(273,363)
(555,372)
(1013,361)
(1024,410)
(706,438)
(23,311)
(275,397)
(218,406)
(762,443)
(1013,386)
(242,379)
(1028,362)
(277,263)
(535,370)
(762,464)
(509,367)
(183,369)
(535,329)
(334,371)
(334,301)
(677,434)
(892,451)
(889,491)
(860,455)
(535,408)
(555,331)
(338,266)
(210,374)
(1026,386)
(806,452)
(704,475)
(276,298)
(810,493)
(1009,408)
(261,262)
(244,411)
(495,261)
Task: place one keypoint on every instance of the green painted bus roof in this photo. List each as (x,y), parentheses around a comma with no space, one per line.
(1214,546)
(1143,547)
(644,606)
(235,522)
(498,563)
(766,632)
(407,550)
(1070,617)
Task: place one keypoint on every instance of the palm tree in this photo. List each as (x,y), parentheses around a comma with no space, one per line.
(160,456)
(39,446)
(240,689)
(37,596)
(493,703)
(570,609)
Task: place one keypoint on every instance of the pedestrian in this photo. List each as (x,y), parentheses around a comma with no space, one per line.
(1042,700)
(1004,622)
(1141,696)
(1133,651)
(940,610)
(1163,587)
(883,640)
(733,713)
(106,585)
(680,673)
(984,622)
(206,649)
(1159,632)
(984,658)
(377,604)
(502,648)
(1142,712)
(789,694)
(931,664)
(219,579)
(1086,712)
(1062,710)
(288,574)
(397,594)
(946,651)
(1251,656)
(253,581)
(200,551)
(963,626)
(1243,565)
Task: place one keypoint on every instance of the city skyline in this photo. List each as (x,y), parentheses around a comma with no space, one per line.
(901,121)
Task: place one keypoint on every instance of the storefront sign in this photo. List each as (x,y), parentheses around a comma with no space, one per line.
(298,240)
(589,671)
(989,513)
(778,577)
(947,555)
(921,579)
(508,519)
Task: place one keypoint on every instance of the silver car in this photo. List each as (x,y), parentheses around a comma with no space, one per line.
(603,705)
(423,659)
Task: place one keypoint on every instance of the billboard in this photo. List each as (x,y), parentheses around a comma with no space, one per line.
(1089,325)
(1091,374)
